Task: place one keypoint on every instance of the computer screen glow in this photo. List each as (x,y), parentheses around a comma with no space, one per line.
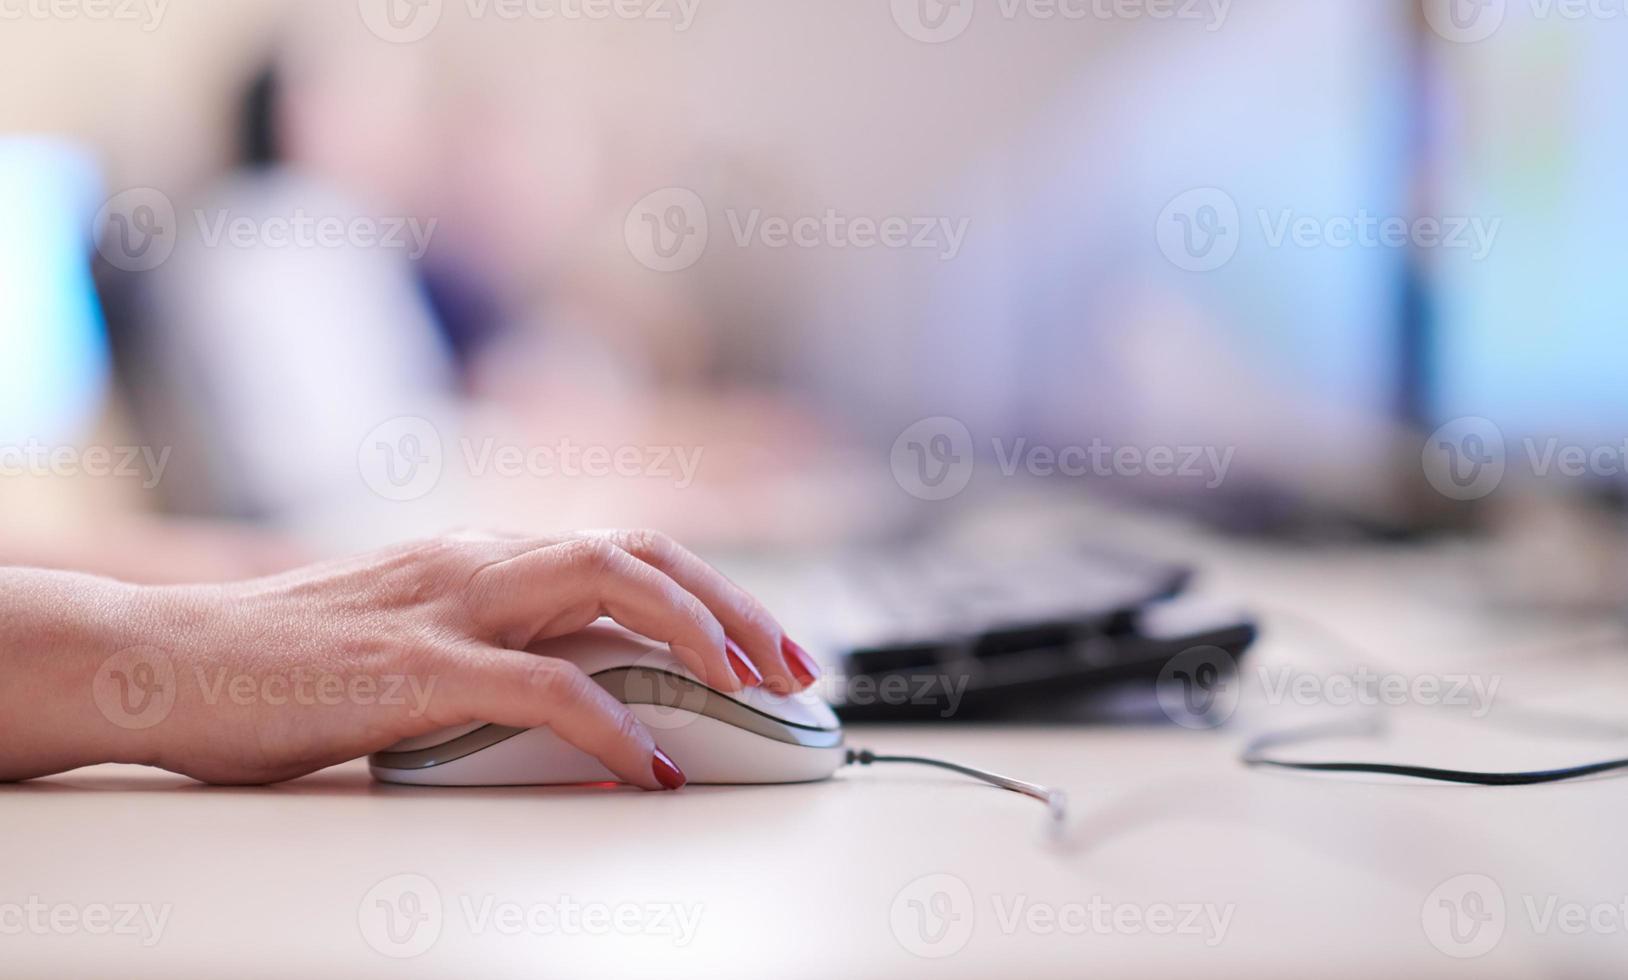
(54,372)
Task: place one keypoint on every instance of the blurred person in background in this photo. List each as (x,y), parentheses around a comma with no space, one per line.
(76,481)
(500,314)
(511,311)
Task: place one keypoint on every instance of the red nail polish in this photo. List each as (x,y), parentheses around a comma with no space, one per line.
(801,664)
(667,774)
(742,667)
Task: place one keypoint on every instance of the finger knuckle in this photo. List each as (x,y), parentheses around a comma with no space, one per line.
(628,730)
(437,551)
(424,573)
(699,617)
(592,557)
(756,618)
(650,545)
(556,682)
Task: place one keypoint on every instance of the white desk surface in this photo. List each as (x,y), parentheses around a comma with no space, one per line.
(1311,876)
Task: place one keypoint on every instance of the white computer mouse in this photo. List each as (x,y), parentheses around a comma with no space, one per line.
(754,736)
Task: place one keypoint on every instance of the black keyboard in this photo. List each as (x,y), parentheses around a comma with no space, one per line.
(927,633)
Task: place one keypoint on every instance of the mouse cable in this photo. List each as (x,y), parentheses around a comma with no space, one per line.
(1056,800)
(1254,756)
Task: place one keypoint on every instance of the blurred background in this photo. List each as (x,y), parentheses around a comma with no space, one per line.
(282,280)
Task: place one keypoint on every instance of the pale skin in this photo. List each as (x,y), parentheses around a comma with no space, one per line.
(447,622)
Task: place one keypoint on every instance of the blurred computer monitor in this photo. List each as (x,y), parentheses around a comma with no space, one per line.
(1534,131)
(53,377)
(1078,312)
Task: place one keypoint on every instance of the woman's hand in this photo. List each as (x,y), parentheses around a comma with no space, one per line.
(275,678)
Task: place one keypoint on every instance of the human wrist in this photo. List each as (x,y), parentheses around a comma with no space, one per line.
(95,668)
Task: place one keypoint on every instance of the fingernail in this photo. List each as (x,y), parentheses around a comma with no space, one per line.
(667,774)
(742,667)
(801,664)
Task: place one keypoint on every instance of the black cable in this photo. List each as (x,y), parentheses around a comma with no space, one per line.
(1056,800)
(1254,757)
(1449,775)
